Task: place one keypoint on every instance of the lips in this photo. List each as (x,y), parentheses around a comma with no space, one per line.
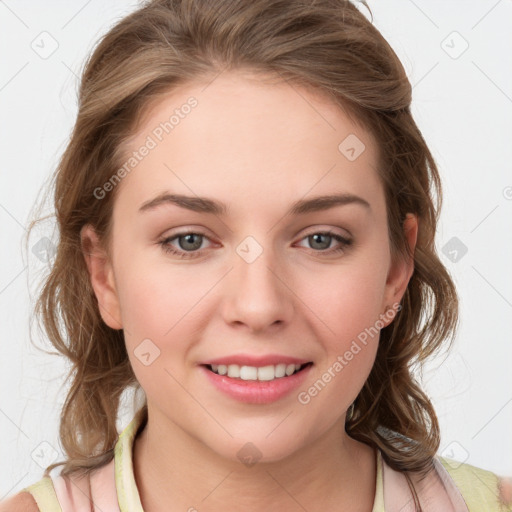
(256,391)
(256,379)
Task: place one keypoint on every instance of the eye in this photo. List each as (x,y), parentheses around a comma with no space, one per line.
(322,240)
(189,243)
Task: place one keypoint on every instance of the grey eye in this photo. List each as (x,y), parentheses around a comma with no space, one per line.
(189,243)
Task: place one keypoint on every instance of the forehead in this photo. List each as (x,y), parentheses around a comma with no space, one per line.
(243,136)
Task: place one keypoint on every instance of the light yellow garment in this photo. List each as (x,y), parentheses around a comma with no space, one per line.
(116,482)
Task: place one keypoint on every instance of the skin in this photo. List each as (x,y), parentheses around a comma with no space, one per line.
(258,147)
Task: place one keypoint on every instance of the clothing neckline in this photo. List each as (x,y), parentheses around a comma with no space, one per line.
(126,487)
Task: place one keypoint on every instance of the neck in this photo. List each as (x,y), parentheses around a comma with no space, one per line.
(335,472)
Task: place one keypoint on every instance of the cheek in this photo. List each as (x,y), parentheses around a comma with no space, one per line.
(348,303)
(347,300)
(162,309)
(159,316)
(154,297)
(350,311)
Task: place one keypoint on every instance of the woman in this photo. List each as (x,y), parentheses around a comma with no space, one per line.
(276,372)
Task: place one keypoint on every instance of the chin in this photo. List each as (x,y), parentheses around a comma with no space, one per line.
(261,447)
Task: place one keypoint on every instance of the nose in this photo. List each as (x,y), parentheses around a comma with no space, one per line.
(257,295)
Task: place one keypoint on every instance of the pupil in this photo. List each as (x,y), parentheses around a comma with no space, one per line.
(314,237)
(187,238)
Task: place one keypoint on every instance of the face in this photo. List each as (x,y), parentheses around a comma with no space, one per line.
(253,282)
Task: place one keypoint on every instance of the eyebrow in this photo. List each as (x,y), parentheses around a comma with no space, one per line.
(206,205)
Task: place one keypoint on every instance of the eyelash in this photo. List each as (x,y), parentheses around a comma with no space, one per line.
(345,242)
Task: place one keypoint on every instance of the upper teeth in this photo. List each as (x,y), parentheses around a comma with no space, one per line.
(270,372)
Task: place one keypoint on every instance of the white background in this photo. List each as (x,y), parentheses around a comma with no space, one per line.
(463,107)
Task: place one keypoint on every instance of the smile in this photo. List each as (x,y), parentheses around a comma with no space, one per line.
(256,384)
(262,373)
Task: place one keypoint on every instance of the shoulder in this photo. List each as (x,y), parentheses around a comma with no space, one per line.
(38,497)
(21,502)
(479,486)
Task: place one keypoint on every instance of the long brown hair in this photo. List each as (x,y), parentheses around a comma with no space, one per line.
(325,45)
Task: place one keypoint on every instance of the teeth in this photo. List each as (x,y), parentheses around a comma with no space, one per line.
(263,373)
(290,368)
(247,372)
(280,370)
(233,370)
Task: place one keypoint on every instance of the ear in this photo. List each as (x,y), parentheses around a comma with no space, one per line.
(102,277)
(401,269)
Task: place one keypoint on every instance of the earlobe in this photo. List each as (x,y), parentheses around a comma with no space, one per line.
(102,277)
(402,269)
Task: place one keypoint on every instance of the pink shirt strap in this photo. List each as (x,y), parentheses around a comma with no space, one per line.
(88,493)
